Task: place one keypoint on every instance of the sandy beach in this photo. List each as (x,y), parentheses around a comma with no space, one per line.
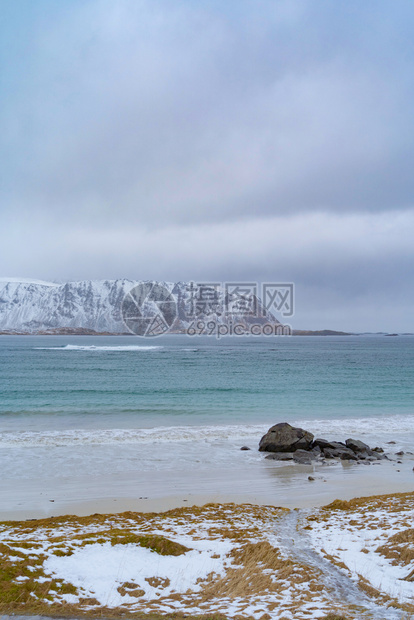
(261,482)
(291,549)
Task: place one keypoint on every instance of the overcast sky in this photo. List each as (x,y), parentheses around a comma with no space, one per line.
(245,140)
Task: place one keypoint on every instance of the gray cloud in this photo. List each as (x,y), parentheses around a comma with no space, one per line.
(175,140)
(339,263)
(175,111)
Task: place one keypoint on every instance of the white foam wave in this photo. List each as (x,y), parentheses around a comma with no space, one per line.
(159,435)
(378,430)
(92,347)
(376,426)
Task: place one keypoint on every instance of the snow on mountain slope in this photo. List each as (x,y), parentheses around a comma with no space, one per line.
(27,281)
(32,306)
(28,306)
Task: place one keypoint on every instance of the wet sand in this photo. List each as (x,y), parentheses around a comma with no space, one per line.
(268,483)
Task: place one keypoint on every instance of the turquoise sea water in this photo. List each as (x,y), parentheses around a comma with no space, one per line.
(111,382)
(103,412)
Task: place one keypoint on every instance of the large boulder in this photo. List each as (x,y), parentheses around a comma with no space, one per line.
(285,438)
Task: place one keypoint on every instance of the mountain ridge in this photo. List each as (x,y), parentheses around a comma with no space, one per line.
(33,306)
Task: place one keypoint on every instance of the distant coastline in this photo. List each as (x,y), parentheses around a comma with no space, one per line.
(83,331)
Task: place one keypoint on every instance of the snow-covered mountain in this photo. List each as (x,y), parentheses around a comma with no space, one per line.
(33,305)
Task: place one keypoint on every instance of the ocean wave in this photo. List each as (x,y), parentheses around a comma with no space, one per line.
(92,347)
(159,435)
(370,426)
(371,429)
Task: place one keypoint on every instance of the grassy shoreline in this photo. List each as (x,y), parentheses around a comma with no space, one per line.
(233,560)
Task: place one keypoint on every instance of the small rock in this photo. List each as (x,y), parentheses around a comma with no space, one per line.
(345,456)
(340,453)
(390,442)
(323,443)
(356,445)
(311,478)
(400,453)
(304,457)
(245,448)
(338,445)
(280,456)
(371,455)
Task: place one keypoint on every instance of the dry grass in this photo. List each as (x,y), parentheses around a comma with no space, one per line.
(410,576)
(372,592)
(392,502)
(63,535)
(159,544)
(256,570)
(130,589)
(400,550)
(158,582)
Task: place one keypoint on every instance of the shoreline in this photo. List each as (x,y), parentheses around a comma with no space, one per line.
(328,484)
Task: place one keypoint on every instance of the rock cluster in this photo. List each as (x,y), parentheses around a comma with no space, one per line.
(285,442)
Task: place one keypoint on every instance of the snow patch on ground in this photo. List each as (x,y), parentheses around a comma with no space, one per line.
(100,569)
(354,538)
